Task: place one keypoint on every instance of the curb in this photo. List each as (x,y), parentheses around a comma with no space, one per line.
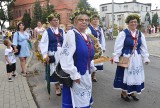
(30,98)
(30,58)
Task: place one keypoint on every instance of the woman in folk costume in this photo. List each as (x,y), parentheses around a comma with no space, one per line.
(97,31)
(131,43)
(50,46)
(76,57)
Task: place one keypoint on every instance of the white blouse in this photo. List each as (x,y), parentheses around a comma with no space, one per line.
(120,42)
(45,41)
(66,59)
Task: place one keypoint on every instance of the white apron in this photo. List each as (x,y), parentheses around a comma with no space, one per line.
(134,74)
(81,93)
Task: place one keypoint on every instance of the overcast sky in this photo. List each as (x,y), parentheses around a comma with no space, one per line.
(96,3)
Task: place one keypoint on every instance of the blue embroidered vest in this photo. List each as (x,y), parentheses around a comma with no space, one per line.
(129,43)
(97,33)
(83,54)
(53,39)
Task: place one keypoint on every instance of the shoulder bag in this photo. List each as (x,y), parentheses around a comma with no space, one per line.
(123,61)
(18,46)
(61,76)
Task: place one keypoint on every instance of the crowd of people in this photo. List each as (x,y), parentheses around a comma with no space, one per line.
(74,49)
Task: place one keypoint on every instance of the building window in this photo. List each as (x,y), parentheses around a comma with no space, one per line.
(141,8)
(68,15)
(118,17)
(16,14)
(103,19)
(19,13)
(146,9)
(25,11)
(29,12)
(125,6)
(104,8)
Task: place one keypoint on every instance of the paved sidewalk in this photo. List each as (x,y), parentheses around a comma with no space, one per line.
(14,94)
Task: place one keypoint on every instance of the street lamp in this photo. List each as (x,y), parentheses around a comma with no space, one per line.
(112,17)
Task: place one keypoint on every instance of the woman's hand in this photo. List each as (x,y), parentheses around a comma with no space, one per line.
(9,63)
(77,81)
(15,50)
(46,59)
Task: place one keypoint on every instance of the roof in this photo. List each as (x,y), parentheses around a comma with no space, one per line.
(23,2)
(149,4)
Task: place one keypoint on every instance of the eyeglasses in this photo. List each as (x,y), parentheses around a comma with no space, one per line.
(55,20)
(133,22)
(82,20)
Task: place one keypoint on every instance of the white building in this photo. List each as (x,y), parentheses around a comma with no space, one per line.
(121,11)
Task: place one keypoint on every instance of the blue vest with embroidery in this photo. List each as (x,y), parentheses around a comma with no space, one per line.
(53,39)
(129,43)
(97,35)
(83,56)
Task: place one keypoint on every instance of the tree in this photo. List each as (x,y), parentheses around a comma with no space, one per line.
(5,11)
(84,4)
(155,20)
(37,10)
(26,20)
(47,11)
(148,19)
(37,14)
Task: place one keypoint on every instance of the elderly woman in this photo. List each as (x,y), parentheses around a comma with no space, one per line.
(77,54)
(97,31)
(21,38)
(131,44)
(50,46)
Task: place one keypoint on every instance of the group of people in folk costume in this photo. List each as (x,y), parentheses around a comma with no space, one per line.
(76,42)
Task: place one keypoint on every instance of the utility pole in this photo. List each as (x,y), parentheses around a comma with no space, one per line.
(112,17)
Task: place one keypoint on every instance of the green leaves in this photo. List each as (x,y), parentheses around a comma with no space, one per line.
(26,20)
(5,12)
(155,20)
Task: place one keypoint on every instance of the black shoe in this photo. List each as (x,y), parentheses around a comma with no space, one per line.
(125,98)
(14,75)
(134,97)
(10,80)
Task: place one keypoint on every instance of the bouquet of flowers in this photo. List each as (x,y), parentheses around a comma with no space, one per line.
(98,58)
(98,51)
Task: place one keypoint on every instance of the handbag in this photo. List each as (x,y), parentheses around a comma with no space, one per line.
(52,59)
(62,76)
(123,61)
(18,47)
